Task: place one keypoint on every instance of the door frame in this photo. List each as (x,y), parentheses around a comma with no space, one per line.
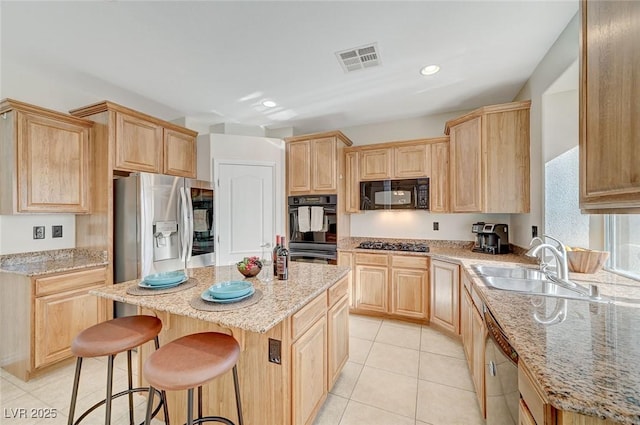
(277,204)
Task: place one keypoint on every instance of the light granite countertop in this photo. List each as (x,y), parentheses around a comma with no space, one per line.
(281,298)
(589,362)
(54,261)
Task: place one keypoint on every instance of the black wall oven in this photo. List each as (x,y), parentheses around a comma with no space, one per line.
(313,226)
(405,194)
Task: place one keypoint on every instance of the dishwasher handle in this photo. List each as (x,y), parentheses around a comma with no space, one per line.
(498,336)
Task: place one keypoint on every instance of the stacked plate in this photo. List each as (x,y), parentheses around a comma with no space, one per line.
(228,292)
(163,280)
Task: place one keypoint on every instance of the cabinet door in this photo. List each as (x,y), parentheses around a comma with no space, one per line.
(59,318)
(412,161)
(346,259)
(138,144)
(337,340)
(524,416)
(371,288)
(466,306)
(609,128)
(179,154)
(53,162)
(324,162)
(439,181)
(445,290)
(299,166)
(465,144)
(375,164)
(409,293)
(352,187)
(309,373)
(479,332)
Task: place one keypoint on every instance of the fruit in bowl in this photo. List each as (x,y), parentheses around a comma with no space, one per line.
(249,266)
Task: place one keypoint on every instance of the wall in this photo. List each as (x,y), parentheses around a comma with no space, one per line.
(558,59)
(16,232)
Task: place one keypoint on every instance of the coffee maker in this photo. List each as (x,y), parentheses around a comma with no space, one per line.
(491,238)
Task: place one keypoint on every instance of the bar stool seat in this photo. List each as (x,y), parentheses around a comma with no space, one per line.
(189,362)
(108,339)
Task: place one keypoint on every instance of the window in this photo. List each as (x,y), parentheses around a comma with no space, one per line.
(622,240)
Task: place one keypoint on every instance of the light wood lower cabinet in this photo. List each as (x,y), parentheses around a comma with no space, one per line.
(338,340)
(346,259)
(445,295)
(41,316)
(524,416)
(308,373)
(392,286)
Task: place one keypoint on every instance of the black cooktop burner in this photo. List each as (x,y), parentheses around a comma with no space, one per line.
(394,246)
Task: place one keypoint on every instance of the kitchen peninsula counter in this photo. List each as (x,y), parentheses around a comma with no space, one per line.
(293,341)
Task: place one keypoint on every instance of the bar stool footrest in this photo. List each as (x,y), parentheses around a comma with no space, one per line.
(218,419)
(120,394)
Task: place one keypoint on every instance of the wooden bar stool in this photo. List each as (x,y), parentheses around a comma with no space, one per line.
(108,339)
(189,362)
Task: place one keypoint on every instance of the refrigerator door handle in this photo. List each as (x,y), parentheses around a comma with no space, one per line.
(190,234)
(185,226)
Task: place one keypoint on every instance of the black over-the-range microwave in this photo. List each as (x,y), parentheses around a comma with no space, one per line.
(405,194)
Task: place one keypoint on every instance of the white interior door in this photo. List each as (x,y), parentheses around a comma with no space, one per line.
(245,216)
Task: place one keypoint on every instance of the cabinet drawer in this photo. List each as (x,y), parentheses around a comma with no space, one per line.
(303,319)
(68,281)
(373,259)
(410,262)
(337,291)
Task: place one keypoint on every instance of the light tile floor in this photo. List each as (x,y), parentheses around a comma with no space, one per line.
(397,373)
(400,373)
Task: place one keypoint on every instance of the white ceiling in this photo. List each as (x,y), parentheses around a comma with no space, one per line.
(216,61)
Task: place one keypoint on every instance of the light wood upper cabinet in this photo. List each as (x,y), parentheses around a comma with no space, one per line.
(314,163)
(489,159)
(376,164)
(46,158)
(352,184)
(142,143)
(412,161)
(609,121)
(439,178)
(445,295)
(179,153)
(138,144)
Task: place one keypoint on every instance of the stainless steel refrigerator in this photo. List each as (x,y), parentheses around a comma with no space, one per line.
(161,223)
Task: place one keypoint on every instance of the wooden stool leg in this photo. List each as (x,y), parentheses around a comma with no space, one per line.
(147,420)
(236,385)
(74,394)
(107,417)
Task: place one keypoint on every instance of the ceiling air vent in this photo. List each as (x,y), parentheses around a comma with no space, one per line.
(359,57)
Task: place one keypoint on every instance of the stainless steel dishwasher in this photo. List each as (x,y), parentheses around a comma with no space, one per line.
(501,379)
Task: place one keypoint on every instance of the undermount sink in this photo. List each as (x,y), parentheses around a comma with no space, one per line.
(530,281)
(511,272)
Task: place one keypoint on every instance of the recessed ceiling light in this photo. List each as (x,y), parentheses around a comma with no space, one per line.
(269,103)
(429,70)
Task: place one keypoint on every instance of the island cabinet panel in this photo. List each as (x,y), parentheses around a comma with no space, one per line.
(46,158)
(445,295)
(609,115)
(138,144)
(338,340)
(346,259)
(179,153)
(309,373)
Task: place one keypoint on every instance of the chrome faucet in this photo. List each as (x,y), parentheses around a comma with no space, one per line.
(562,265)
(563,268)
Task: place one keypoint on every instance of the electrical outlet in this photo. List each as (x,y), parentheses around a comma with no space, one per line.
(436,225)
(534,231)
(38,232)
(56,231)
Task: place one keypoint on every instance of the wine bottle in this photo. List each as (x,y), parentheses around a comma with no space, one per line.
(274,256)
(283,260)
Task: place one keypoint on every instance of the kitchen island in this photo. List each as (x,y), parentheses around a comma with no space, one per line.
(294,340)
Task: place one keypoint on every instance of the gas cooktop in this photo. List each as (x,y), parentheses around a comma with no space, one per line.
(394,246)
